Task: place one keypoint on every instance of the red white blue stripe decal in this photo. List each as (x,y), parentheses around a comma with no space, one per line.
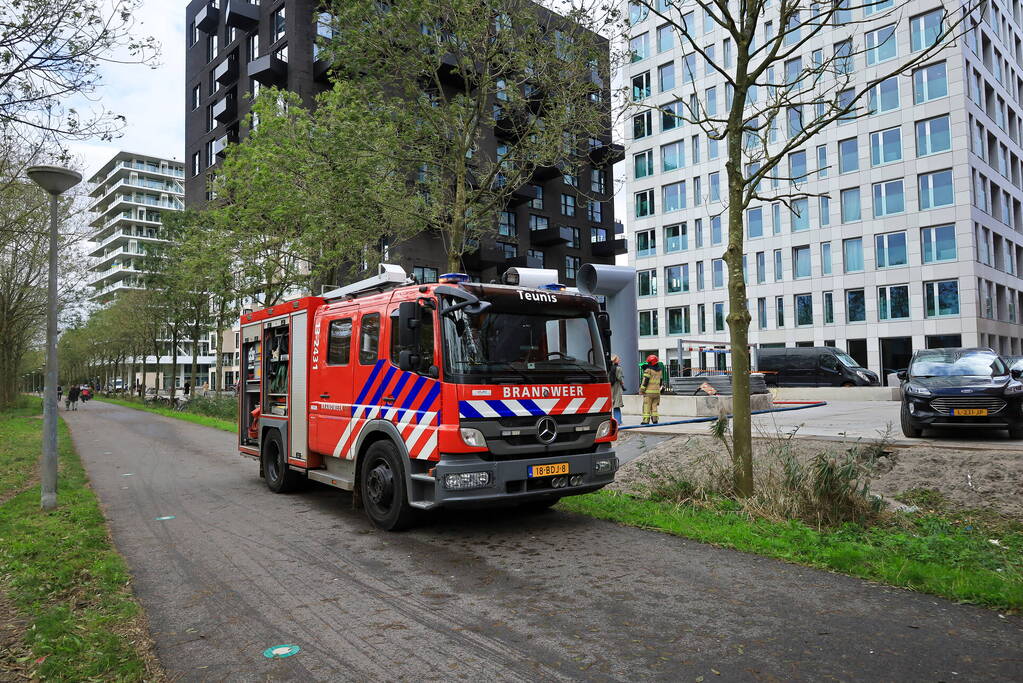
(525,407)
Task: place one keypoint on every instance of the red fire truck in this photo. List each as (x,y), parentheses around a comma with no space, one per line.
(417,397)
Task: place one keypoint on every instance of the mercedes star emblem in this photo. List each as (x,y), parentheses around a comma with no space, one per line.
(546,430)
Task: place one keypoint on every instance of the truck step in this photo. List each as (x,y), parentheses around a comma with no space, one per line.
(423,504)
(424,477)
(329,479)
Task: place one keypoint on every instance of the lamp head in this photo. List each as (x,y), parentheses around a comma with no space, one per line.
(54,179)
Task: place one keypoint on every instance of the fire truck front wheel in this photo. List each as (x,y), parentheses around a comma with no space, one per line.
(382,485)
(279,477)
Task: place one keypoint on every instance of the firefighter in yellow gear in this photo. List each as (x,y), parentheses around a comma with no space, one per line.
(650,388)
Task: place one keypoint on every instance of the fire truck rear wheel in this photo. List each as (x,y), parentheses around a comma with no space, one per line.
(382,485)
(279,477)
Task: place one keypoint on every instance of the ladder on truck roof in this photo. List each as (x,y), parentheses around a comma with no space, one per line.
(389,276)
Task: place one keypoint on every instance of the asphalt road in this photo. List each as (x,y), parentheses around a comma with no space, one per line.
(482,596)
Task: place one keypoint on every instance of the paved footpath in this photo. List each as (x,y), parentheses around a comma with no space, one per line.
(482,596)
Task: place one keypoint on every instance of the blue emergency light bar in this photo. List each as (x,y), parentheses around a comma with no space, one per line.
(452,278)
(554,287)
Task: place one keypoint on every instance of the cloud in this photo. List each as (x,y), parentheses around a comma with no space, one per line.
(151,99)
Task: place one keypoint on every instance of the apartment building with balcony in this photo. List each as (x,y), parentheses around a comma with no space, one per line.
(911,235)
(131,195)
(234,48)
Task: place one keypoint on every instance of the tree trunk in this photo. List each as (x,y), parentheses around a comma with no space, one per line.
(216,385)
(174,363)
(456,244)
(738,324)
(195,356)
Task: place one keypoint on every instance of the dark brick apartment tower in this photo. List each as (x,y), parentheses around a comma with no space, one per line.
(233,48)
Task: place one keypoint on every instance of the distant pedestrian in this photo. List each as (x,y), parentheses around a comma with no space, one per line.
(85,394)
(205,388)
(650,387)
(72,397)
(188,387)
(60,392)
(617,387)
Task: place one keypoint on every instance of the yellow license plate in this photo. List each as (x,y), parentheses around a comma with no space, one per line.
(970,412)
(548,470)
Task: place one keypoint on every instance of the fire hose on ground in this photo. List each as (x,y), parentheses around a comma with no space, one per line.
(789,405)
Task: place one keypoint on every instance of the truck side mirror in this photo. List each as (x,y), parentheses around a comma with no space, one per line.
(408,361)
(408,325)
(901,374)
(1016,373)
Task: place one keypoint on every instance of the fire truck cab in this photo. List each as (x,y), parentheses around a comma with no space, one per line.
(416,397)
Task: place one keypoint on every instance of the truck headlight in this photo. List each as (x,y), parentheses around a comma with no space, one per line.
(466,480)
(916,390)
(604,465)
(605,429)
(473,437)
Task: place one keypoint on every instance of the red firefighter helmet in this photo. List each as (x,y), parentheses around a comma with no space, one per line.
(651,359)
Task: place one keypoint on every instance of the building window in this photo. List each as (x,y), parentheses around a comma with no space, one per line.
(597,181)
(673,156)
(779,311)
(252,47)
(855,306)
(676,238)
(506,224)
(282,53)
(646,243)
(925,29)
(825,258)
(678,320)
(572,264)
(762,313)
(824,209)
(804,310)
(755,222)
(673,279)
(665,37)
(643,164)
(800,217)
(639,47)
(278,24)
(778,270)
(829,308)
(719,316)
(666,77)
(893,302)
(196,96)
(674,197)
(852,255)
(196,164)
(211,48)
(930,83)
(884,96)
(761,268)
(672,115)
(424,274)
(574,242)
(941,298)
(567,205)
(538,222)
(714,180)
(701,318)
(938,244)
(536,254)
(889,198)
(642,125)
(210,123)
(885,146)
(646,282)
(936,189)
(890,249)
(881,45)
(593,210)
(641,86)
(801,262)
(848,155)
(850,205)
(933,136)
(536,196)
(193,34)
(648,324)
(598,235)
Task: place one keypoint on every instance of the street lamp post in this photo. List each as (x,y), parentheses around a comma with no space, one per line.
(56,181)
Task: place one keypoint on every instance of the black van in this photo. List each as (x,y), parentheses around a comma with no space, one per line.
(812,366)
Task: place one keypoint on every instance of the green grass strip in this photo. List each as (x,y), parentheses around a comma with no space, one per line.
(934,556)
(204,420)
(59,568)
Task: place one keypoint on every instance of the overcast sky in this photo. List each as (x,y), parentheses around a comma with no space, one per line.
(151,99)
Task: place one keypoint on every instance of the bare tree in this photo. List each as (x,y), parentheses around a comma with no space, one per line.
(791,68)
(51,51)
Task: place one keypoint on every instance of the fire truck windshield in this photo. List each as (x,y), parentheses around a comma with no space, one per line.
(523,342)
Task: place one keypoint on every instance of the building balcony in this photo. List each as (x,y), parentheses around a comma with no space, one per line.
(268,70)
(449,72)
(206,18)
(488,254)
(225,109)
(227,71)
(524,261)
(606,154)
(550,237)
(220,146)
(243,15)
(520,195)
(542,174)
(609,248)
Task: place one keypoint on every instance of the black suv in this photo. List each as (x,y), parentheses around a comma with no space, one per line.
(960,388)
